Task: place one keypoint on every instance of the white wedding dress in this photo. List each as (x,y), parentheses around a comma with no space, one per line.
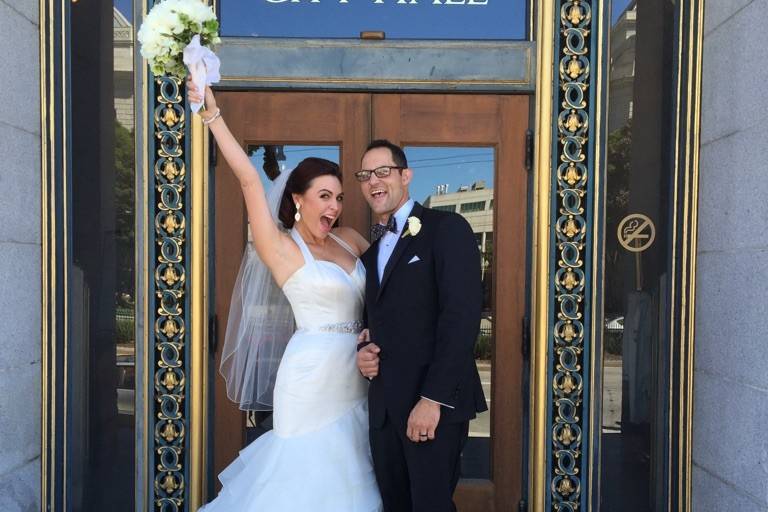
(317,457)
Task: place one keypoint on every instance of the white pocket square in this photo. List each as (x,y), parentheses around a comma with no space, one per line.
(414,260)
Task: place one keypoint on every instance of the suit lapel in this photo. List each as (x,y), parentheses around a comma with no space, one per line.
(370,261)
(400,247)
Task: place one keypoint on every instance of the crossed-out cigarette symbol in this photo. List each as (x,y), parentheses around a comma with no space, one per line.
(636,232)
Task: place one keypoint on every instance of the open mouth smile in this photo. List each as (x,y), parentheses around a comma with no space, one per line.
(377,194)
(327,221)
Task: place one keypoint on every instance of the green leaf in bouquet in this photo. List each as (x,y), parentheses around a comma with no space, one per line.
(190,24)
(178,70)
(211,26)
(177,37)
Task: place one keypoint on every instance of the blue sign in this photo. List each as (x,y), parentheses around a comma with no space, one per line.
(398,19)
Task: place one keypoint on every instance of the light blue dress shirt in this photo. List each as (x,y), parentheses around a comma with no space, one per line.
(388,241)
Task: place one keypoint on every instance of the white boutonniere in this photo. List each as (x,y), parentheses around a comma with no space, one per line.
(414,226)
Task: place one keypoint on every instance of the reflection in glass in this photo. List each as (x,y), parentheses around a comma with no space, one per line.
(460,179)
(270,161)
(101,435)
(402,19)
(635,343)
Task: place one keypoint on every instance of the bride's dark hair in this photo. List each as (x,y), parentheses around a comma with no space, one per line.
(300,180)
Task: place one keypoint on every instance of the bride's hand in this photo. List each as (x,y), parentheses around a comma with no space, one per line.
(194,96)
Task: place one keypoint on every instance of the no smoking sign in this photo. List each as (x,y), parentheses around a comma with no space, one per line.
(636,232)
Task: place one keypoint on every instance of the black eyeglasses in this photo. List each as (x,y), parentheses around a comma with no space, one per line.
(380,172)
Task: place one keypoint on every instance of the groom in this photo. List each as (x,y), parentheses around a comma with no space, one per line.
(423,301)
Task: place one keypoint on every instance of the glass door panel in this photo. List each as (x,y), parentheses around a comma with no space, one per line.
(636,347)
(101,355)
(272,159)
(460,179)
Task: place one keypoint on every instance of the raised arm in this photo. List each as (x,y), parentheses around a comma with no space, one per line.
(274,248)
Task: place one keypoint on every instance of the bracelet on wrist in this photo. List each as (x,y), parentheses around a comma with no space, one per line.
(214,117)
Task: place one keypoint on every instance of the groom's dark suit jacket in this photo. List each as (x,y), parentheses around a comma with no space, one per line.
(425,317)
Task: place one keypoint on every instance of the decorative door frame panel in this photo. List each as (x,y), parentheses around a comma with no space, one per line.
(169,305)
(685,228)
(566,270)
(177,304)
(55,168)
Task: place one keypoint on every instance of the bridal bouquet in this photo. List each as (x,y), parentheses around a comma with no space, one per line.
(175,39)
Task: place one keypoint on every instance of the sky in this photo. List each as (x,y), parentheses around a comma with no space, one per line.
(617,8)
(125,7)
(454,166)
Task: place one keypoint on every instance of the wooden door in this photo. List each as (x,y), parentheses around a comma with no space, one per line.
(500,122)
(419,122)
(258,119)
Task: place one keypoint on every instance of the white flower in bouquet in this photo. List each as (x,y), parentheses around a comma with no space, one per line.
(170,27)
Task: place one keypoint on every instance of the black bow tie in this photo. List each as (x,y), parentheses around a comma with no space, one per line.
(378,230)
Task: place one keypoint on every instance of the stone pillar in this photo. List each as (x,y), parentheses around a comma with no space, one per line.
(20,257)
(730,448)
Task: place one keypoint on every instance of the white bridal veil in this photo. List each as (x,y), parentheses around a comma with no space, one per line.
(259,326)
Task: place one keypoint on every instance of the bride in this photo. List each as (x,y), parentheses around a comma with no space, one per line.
(317,457)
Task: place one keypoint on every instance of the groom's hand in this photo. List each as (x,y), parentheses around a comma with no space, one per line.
(423,420)
(368,360)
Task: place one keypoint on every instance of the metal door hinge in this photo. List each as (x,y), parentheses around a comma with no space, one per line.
(528,150)
(212,154)
(526,337)
(213,333)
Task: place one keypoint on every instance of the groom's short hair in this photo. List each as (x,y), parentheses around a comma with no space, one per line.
(398,155)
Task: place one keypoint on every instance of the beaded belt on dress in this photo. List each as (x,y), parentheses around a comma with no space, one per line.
(342,327)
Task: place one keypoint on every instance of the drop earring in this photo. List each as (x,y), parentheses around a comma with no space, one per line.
(297,217)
